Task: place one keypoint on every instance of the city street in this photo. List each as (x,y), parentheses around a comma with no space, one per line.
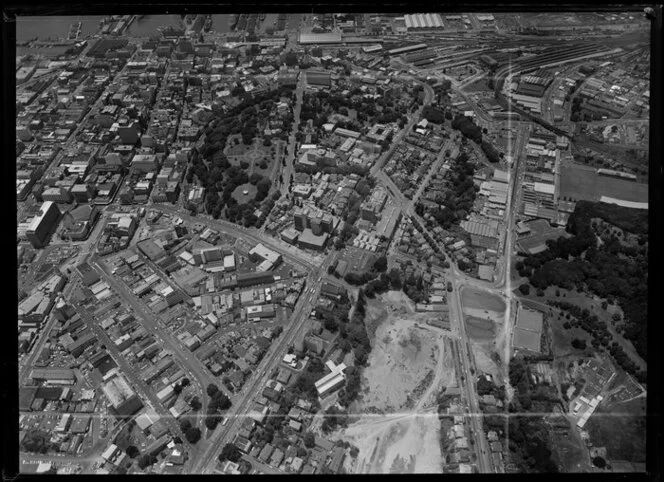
(224,434)
(137,383)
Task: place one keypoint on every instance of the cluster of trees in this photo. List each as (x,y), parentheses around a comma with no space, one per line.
(413,286)
(491,153)
(218,403)
(433,114)
(442,93)
(612,270)
(270,432)
(382,110)
(343,169)
(383,283)
(486,387)
(601,336)
(334,417)
(353,336)
(192,433)
(230,452)
(37,441)
(528,443)
(146,460)
(468,128)
(458,200)
(528,435)
(305,385)
(377,280)
(178,387)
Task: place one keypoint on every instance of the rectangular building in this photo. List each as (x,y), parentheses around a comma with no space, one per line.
(319,78)
(42,226)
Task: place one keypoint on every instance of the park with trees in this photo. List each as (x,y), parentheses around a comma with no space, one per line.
(612,270)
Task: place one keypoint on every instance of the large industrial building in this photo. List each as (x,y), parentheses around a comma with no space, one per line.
(123,399)
(319,78)
(420,21)
(53,376)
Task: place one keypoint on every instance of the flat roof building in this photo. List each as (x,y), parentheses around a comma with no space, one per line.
(260,253)
(63,376)
(317,77)
(309,240)
(332,380)
(42,225)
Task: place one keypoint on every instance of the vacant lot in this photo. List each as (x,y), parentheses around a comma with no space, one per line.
(621,429)
(397,430)
(480,329)
(579,182)
(570,451)
(400,358)
(399,444)
(481,300)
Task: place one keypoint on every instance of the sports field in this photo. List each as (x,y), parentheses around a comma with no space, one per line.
(582,183)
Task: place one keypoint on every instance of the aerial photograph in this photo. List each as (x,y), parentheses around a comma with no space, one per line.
(333,243)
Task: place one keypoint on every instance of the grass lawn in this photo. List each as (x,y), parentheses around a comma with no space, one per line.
(570,451)
(578,182)
(243,198)
(561,344)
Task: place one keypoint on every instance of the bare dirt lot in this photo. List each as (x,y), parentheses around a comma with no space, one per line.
(410,363)
(484,316)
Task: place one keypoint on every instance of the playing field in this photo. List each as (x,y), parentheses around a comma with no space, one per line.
(580,183)
(527,340)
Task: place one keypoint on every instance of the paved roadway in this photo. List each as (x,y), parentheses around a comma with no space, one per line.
(288,170)
(515,178)
(290,254)
(207,461)
(485,464)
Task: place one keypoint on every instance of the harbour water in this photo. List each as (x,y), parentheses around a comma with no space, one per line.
(149,23)
(54,27)
(57,27)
